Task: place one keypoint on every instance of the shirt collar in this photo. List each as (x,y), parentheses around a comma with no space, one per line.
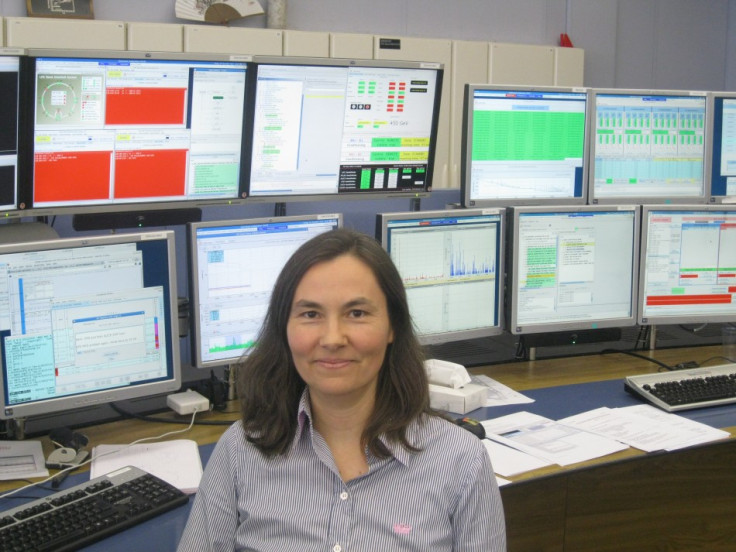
(304,423)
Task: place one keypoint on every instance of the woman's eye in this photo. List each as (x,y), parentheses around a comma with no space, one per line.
(357,313)
(307,314)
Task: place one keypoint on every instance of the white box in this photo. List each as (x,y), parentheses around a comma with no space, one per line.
(459,401)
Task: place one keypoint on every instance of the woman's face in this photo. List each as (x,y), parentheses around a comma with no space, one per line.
(338,329)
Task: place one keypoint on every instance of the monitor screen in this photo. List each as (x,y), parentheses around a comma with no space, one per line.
(688,264)
(131,130)
(233,266)
(86,321)
(451,262)
(722,146)
(9,125)
(343,128)
(649,147)
(524,145)
(573,268)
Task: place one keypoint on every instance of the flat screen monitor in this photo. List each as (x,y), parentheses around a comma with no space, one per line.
(648,147)
(86,321)
(10,115)
(573,268)
(130,131)
(721,155)
(524,145)
(688,264)
(233,266)
(452,265)
(343,128)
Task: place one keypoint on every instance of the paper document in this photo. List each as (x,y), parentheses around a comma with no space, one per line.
(645,427)
(22,460)
(692,432)
(550,440)
(501,481)
(498,393)
(507,461)
(176,462)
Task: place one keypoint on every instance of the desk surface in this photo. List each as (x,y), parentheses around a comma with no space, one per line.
(560,387)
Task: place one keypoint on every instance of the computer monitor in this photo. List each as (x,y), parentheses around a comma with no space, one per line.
(648,147)
(343,128)
(573,268)
(10,115)
(721,154)
(86,321)
(452,265)
(233,266)
(688,264)
(133,131)
(524,145)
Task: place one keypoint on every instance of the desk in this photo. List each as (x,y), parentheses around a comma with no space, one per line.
(630,501)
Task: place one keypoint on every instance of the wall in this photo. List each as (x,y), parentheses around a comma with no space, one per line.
(628,43)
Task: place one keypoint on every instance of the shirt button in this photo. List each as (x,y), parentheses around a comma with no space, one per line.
(344,495)
(337,548)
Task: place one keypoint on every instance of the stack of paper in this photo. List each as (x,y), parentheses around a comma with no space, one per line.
(551,441)
(176,462)
(216,11)
(646,427)
(21,460)
(524,441)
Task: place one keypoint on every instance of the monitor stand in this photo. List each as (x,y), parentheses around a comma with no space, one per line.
(19,232)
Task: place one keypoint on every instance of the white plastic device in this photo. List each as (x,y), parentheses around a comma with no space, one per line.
(187,402)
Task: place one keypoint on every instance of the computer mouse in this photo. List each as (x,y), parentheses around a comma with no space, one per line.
(473,426)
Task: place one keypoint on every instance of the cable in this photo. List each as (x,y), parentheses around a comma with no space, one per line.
(92,458)
(654,360)
(127,414)
(716,358)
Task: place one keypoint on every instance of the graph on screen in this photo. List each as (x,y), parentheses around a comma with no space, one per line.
(450,263)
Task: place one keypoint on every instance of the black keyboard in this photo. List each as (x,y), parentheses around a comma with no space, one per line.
(686,389)
(91,511)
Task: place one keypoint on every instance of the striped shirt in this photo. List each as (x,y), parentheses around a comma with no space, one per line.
(443,498)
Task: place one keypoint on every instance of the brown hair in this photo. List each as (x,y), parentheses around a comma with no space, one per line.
(269,387)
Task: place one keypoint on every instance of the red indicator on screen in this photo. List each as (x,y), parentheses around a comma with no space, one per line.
(150,173)
(71,176)
(145,106)
(660,300)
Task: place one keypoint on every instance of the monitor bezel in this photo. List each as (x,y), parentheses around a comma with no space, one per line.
(128,206)
(94,398)
(341,62)
(381,234)
(466,151)
(711,144)
(594,199)
(19,209)
(512,299)
(193,264)
(660,319)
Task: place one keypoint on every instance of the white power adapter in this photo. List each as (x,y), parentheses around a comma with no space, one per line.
(187,402)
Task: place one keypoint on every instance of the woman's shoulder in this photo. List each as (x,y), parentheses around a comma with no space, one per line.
(432,431)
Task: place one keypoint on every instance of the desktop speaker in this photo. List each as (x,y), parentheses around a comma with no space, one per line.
(141,219)
(556,339)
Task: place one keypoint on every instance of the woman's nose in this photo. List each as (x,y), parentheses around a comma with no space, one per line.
(334,333)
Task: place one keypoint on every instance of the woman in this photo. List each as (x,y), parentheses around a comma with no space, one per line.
(338,449)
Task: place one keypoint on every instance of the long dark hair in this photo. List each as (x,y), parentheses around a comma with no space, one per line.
(269,387)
